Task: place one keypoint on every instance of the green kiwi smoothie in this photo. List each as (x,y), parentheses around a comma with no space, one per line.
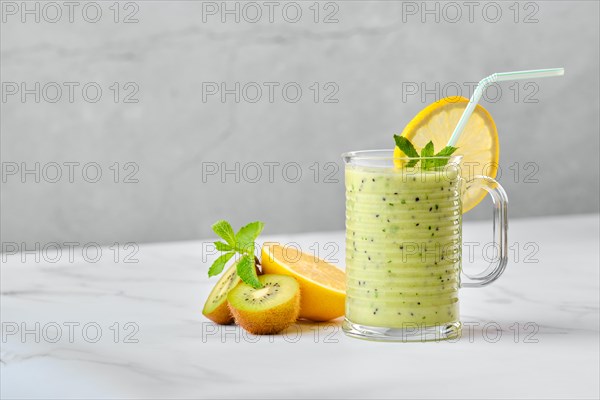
(403,243)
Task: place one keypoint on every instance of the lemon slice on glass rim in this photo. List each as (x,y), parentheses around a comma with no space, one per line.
(478,144)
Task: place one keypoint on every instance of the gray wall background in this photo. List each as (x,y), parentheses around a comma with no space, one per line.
(171,134)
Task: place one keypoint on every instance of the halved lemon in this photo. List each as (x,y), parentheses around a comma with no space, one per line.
(478,143)
(322,285)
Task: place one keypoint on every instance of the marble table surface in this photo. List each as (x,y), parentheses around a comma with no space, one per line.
(134,330)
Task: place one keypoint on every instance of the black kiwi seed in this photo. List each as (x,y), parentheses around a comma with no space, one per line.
(275,289)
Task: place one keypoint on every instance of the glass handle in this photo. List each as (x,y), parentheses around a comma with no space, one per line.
(500,229)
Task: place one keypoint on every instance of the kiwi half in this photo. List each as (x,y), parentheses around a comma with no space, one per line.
(215,307)
(269,309)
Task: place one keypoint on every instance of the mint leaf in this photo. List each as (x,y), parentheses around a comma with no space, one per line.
(406,146)
(427,151)
(408,149)
(223,246)
(244,239)
(224,230)
(445,152)
(247,271)
(217,267)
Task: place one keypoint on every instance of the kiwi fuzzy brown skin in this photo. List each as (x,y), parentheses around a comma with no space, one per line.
(268,321)
(221,315)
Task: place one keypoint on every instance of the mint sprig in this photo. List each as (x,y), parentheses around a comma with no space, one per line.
(426,152)
(241,243)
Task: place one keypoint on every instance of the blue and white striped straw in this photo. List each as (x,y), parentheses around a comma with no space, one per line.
(498,77)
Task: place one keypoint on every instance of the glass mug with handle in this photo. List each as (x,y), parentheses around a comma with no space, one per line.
(404,245)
